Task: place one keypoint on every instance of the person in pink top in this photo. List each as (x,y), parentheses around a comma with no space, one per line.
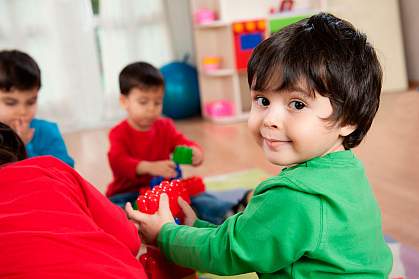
(54,224)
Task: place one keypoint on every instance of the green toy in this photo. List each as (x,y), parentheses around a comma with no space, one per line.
(182,155)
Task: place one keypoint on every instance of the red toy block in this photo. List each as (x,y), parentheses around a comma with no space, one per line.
(247,35)
(148,202)
(157,266)
(194,185)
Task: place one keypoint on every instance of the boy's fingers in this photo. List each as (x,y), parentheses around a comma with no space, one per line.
(133,214)
(184,205)
(164,203)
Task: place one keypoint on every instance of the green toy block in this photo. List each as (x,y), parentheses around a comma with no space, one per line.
(182,155)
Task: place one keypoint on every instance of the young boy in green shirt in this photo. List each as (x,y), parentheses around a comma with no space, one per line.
(315,89)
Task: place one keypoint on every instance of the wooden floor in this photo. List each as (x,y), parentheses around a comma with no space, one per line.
(390,154)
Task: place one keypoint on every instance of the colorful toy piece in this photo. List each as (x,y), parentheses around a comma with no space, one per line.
(204,16)
(211,63)
(185,188)
(286,5)
(247,35)
(182,155)
(219,108)
(156,266)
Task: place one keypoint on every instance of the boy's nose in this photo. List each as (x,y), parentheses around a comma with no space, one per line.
(22,111)
(273,119)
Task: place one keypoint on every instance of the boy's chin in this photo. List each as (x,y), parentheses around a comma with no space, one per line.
(282,161)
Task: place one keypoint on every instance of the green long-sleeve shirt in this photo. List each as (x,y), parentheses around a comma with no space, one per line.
(318,219)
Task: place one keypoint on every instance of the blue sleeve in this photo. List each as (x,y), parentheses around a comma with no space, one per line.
(47,140)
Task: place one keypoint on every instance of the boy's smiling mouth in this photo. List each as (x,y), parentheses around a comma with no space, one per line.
(275,143)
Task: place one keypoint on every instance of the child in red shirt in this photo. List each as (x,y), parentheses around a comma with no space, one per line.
(141,145)
(54,224)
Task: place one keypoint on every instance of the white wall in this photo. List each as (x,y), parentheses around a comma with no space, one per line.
(180,25)
(410,25)
(380,20)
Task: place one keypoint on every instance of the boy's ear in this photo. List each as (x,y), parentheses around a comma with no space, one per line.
(347,130)
(123,101)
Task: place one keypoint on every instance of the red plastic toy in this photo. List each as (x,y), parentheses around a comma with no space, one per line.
(247,35)
(156,265)
(185,188)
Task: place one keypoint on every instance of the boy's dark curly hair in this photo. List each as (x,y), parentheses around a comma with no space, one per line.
(141,75)
(18,71)
(328,56)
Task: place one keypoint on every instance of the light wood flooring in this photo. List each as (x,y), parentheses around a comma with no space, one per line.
(390,153)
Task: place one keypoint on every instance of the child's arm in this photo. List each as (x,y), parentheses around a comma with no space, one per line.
(275,230)
(165,168)
(48,140)
(179,139)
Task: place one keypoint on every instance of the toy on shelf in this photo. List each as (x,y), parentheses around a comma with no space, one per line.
(204,16)
(284,6)
(182,155)
(247,35)
(211,63)
(220,108)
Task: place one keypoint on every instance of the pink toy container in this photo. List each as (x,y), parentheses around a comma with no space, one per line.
(203,16)
(220,108)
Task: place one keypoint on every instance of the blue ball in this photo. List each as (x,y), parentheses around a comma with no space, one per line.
(181,94)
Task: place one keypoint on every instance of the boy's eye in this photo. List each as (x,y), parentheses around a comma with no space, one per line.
(297,105)
(262,101)
(10,103)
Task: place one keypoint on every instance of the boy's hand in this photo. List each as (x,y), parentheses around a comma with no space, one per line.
(197,156)
(23,130)
(150,225)
(190,215)
(165,168)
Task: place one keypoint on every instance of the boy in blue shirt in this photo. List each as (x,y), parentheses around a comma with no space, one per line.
(20,81)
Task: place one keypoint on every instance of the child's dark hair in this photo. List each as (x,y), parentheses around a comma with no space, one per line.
(139,75)
(12,148)
(18,71)
(326,55)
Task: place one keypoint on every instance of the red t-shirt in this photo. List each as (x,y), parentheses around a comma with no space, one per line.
(128,147)
(54,224)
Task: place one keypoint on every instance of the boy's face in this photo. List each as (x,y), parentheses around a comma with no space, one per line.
(290,126)
(143,107)
(18,105)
